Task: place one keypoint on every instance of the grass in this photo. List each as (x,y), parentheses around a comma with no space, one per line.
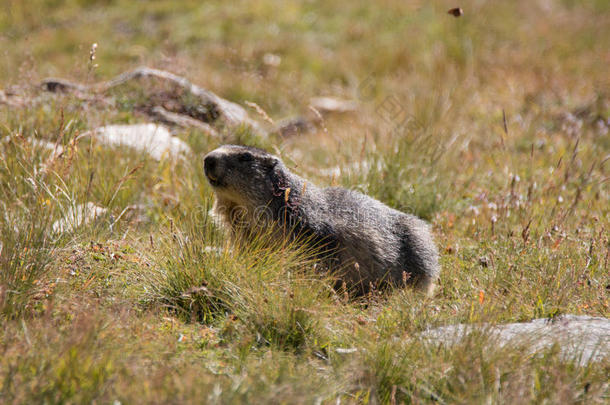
(493,126)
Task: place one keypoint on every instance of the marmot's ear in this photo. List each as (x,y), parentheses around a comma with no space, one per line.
(270,162)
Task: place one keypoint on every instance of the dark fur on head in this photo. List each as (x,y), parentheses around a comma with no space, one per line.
(232,169)
(252,188)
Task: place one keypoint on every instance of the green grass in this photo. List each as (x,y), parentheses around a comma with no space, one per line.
(150,304)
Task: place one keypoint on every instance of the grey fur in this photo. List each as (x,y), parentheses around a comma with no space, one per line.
(369,242)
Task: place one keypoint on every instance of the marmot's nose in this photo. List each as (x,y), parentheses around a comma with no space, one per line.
(210,166)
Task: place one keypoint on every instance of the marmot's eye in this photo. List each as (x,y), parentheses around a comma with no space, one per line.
(245,157)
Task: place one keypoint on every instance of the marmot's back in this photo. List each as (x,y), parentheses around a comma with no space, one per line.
(383,241)
(371,242)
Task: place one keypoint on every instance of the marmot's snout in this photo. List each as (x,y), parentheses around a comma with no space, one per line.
(212,166)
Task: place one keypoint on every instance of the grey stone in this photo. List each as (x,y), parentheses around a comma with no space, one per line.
(79,215)
(333,104)
(153,139)
(581,338)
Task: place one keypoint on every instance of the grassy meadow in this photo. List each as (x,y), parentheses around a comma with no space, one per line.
(494,127)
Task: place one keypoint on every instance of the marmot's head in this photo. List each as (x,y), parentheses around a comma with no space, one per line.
(243,174)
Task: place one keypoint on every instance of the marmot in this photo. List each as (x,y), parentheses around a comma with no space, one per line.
(367,241)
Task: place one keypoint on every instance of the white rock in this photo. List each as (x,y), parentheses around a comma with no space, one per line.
(581,338)
(272,59)
(76,216)
(331,104)
(55,149)
(154,139)
(349,350)
(214,249)
(351,169)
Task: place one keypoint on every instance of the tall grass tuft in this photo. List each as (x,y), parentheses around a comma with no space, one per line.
(26,214)
(272,291)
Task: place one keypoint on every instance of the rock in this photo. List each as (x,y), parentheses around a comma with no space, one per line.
(271,59)
(55,149)
(229,113)
(214,250)
(293,126)
(11,99)
(233,114)
(150,138)
(3,98)
(349,350)
(313,119)
(79,215)
(55,85)
(183,121)
(361,167)
(134,214)
(331,104)
(581,338)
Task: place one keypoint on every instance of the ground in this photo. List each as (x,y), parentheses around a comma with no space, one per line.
(493,126)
